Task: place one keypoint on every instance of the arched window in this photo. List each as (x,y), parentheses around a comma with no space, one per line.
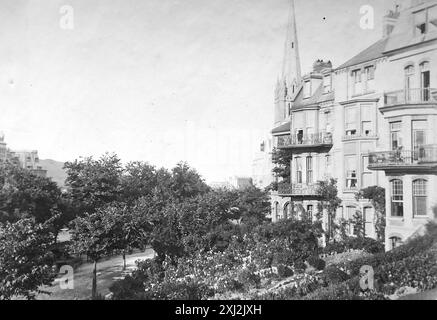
(425,81)
(409,78)
(395,242)
(419,197)
(298,163)
(397,198)
(287,211)
(277,216)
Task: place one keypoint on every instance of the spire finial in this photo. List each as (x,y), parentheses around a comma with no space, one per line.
(291,65)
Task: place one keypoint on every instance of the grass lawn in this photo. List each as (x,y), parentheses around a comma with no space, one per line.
(107,270)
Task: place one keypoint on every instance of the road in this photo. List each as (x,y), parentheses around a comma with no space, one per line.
(108,271)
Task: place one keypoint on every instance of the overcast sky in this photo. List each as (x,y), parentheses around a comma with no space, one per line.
(159,80)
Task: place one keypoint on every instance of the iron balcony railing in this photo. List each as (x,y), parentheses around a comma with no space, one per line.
(293,189)
(411,96)
(423,155)
(302,140)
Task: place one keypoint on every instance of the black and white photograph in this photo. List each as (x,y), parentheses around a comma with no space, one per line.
(218,154)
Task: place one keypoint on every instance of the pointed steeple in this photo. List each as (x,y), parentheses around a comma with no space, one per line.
(291,71)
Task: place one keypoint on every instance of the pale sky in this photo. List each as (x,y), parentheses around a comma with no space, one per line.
(160,80)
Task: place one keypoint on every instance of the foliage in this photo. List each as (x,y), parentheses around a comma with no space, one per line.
(185,182)
(354,243)
(316,262)
(139,179)
(26,195)
(95,234)
(281,160)
(25,258)
(329,202)
(376,195)
(94,183)
(333,275)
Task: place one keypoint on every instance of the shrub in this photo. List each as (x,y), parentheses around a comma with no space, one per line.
(341,291)
(316,262)
(285,271)
(353,243)
(333,275)
(248,278)
(127,289)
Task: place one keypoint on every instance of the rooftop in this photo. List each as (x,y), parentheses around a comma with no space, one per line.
(375,51)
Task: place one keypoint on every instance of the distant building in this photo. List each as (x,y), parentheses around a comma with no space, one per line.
(234,182)
(240,182)
(28,160)
(3,149)
(262,165)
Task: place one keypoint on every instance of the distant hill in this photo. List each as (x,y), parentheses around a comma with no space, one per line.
(54,170)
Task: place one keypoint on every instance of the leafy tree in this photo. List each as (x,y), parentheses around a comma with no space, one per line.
(253,205)
(94,183)
(131,232)
(329,202)
(26,195)
(185,182)
(25,258)
(139,180)
(94,235)
(376,195)
(282,159)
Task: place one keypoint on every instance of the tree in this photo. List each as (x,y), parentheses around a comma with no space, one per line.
(281,159)
(94,183)
(139,180)
(376,195)
(329,202)
(94,235)
(253,205)
(26,195)
(132,229)
(185,182)
(25,258)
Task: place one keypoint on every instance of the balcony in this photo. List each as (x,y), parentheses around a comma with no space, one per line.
(301,190)
(425,158)
(304,141)
(410,97)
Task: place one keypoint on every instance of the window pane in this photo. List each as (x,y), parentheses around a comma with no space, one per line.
(351,117)
(419,204)
(432,18)
(419,188)
(397,188)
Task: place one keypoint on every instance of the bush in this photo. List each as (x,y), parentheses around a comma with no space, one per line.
(353,243)
(284,271)
(248,279)
(333,275)
(341,291)
(127,289)
(316,263)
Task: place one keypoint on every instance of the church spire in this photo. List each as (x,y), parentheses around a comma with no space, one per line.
(291,65)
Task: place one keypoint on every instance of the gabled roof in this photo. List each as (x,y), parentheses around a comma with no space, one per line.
(301,103)
(284,128)
(373,52)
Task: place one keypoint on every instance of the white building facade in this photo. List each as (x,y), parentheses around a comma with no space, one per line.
(368,122)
